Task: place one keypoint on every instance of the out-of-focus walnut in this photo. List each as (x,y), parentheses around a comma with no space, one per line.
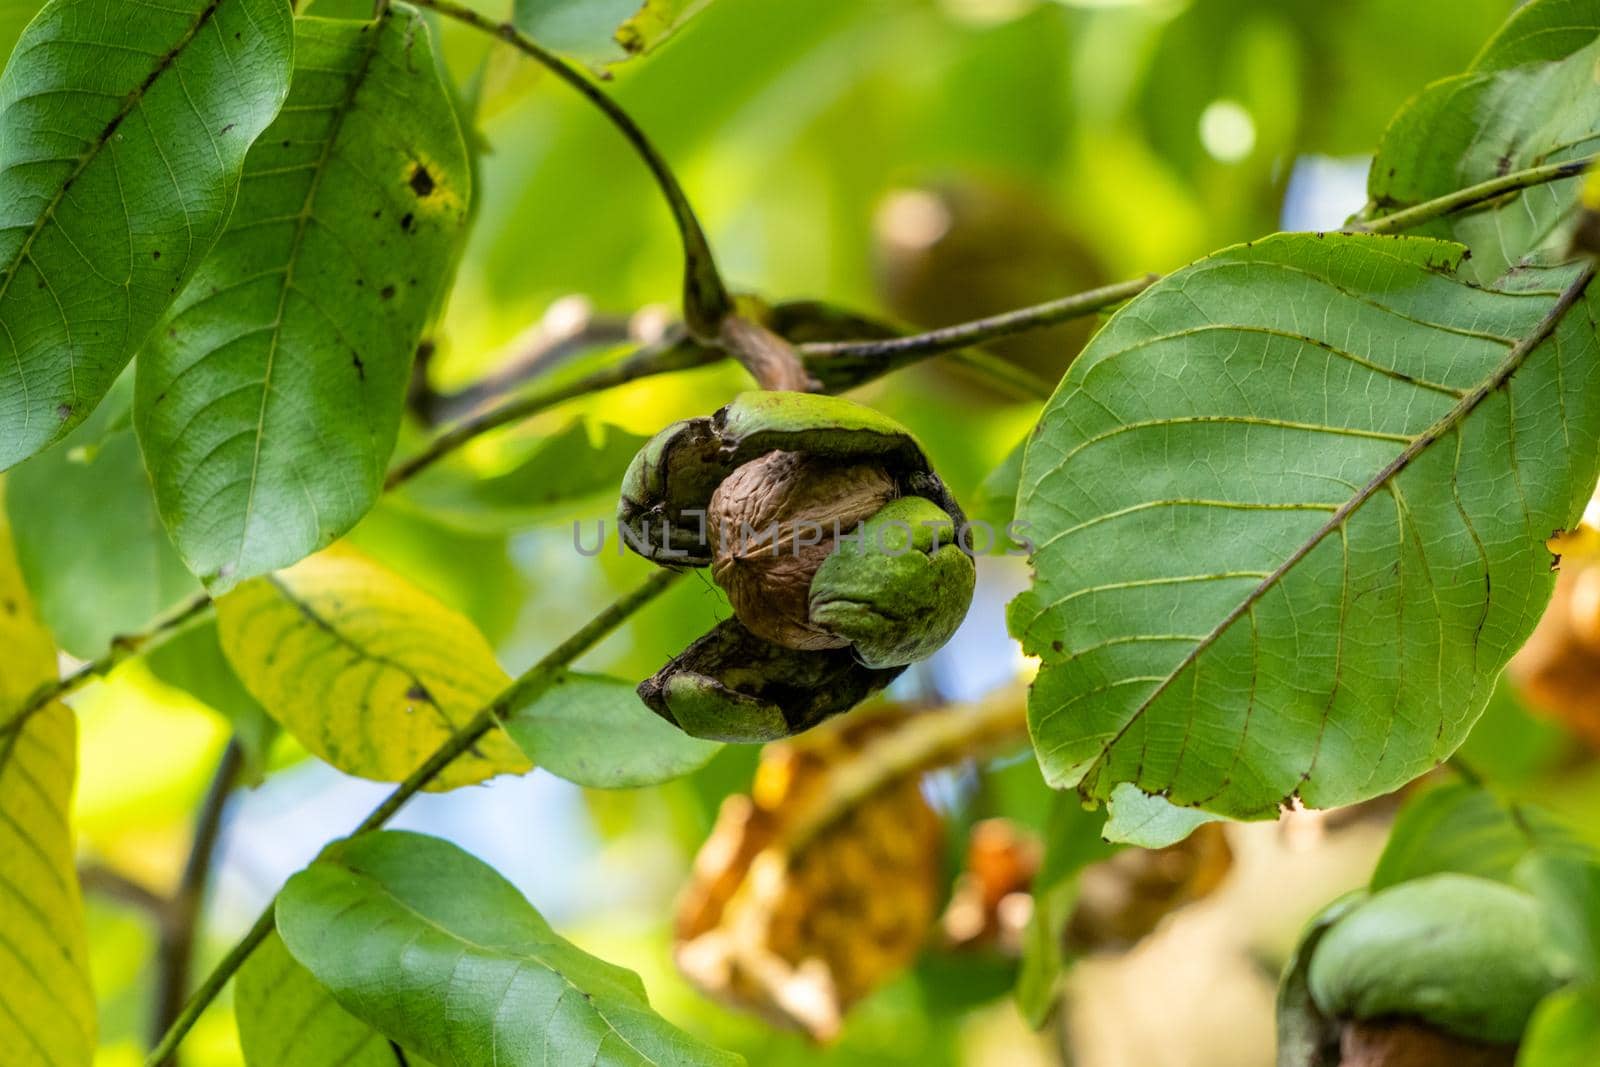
(991,903)
(1558,669)
(1123,899)
(772,523)
(798,921)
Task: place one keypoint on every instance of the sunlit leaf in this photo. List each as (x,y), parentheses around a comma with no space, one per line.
(93,549)
(1564,1030)
(603,31)
(1529,100)
(269,401)
(14,16)
(429,945)
(364,669)
(47,1010)
(287,1019)
(1137,818)
(1290,508)
(1467,830)
(595,731)
(124,128)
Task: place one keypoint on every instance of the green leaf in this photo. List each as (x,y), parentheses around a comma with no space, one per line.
(123,129)
(433,948)
(1564,1030)
(1465,829)
(1137,818)
(603,31)
(1530,99)
(1290,509)
(47,1010)
(269,402)
(193,661)
(583,460)
(595,731)
(364,669)
(1568,885)
(287,1019)
(1072,842)
(88,538)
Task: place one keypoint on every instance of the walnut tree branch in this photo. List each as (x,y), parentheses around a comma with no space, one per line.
(526,687)
(705,299)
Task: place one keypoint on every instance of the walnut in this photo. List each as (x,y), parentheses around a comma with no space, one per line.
(773,522)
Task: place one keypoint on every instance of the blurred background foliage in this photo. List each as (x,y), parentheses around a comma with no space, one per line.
(925,161)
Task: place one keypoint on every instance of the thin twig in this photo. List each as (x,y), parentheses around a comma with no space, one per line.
(123,647)
(1472,196)
(114,885)
(648,361)
(175,953)
(963,335)
(525,688)
(705,299)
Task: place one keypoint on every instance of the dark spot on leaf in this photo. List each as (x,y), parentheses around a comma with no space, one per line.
(422,182)
(387,292)
(10,607)
(361,368)
(286,144)
(361,283)
(1502,166)
(378,214)
(418,691)
(41,284)
(227,128)
(406,221)
(1056,646)
(64,411)
(1391,172)
(156,254)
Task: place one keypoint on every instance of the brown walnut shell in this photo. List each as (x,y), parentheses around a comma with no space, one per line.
(1403,1043)
(772,522)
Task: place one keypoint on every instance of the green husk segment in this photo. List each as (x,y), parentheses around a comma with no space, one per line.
(894,596)
(1459,953)
(731,685)
(674,475)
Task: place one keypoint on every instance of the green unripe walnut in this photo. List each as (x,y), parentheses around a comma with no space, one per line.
(834,540)
(1458,953)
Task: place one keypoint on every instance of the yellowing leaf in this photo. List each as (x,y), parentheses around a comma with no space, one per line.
(47,1014)
(367,671)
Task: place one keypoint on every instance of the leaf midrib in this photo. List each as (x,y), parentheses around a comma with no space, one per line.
(302,224)
(1502,374)
(521,958)
(134,99)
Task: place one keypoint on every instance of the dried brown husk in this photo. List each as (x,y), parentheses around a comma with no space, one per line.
(798,921)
